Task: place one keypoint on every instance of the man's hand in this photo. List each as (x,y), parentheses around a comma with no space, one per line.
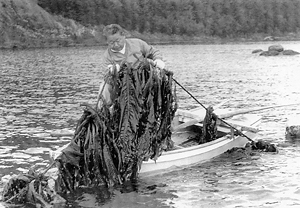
(112,68)
(159,63)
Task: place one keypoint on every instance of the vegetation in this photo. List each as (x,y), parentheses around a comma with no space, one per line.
(110,144)
(23,24)
(219,18)
(52,23)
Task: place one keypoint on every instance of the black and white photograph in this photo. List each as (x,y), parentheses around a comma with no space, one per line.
(149,103)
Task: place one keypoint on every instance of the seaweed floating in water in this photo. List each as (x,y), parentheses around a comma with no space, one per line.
(251,149)
(32,187)
(109,146)
(264,146)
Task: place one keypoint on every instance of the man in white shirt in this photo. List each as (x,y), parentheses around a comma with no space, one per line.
(121,49)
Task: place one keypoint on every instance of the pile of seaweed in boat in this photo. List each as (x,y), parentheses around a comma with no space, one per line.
(206,134)
(111,142)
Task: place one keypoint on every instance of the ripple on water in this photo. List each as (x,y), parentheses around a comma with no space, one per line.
(20,155)
(36,150)
(43,90)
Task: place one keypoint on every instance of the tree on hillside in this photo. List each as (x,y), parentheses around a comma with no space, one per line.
(221,18)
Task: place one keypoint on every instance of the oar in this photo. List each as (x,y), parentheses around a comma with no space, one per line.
(241,133)
(243,111)
(197,119)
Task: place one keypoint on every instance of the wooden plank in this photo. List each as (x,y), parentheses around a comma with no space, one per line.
(215,107)
(185,124)
(220,128)
(199,114)
(194,121)
(244,125)
(245,119)
(241,126)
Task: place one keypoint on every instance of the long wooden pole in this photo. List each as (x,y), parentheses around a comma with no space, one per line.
(243,111)
(228,115)
(241,133)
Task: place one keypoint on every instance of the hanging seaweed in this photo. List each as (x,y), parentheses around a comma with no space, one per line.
(111,143)
(209,126)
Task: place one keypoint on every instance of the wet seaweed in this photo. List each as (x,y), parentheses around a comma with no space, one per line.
(32,187)
(111,143)
(209,126)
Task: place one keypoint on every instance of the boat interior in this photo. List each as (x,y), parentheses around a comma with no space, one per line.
(187,127)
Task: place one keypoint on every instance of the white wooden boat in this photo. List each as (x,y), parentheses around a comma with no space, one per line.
(187,156)
(185,125)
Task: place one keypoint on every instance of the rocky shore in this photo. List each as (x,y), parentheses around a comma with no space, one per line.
(23,24)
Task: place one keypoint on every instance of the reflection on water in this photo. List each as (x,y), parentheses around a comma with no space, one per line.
(41,91)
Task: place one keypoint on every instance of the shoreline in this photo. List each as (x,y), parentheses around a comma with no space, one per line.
(151,41)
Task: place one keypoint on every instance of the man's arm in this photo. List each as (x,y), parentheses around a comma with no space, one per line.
(106,61)
(149,51)
(152,53)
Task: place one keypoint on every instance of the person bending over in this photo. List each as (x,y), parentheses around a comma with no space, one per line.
(121,49)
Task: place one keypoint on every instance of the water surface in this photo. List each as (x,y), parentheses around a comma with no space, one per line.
(41,91)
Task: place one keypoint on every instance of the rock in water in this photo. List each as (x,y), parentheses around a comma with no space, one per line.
(277,48)
(257,50)
(290,52)
(293,127)
(269,53)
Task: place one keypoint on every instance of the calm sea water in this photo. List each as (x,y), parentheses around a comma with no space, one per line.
(41,91)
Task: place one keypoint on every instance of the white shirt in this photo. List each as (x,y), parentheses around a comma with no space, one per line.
(121,51)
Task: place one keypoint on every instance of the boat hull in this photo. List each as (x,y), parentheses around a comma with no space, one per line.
(181,158)
(187,156)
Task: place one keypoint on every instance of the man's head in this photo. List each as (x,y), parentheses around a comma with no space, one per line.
(115,36)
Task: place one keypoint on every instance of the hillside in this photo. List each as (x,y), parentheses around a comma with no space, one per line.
(24,24)
(55,23)
(203,20)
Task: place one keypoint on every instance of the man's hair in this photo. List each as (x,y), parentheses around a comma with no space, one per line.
(113,29)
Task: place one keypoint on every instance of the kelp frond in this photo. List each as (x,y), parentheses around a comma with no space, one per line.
(112,143)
